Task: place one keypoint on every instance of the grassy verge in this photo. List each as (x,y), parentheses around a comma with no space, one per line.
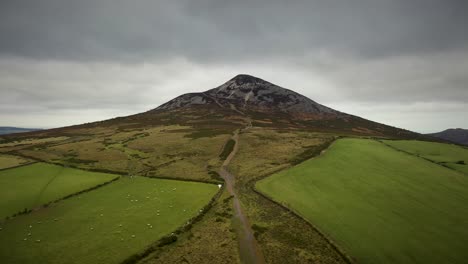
(381,205)
(106,225)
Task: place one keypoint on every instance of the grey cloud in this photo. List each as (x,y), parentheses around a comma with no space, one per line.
(64,61)
(213,30)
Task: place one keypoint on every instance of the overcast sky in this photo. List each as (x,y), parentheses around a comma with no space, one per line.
(399,62)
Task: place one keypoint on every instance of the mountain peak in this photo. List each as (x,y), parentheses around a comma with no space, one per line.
(249,93)
(241,79)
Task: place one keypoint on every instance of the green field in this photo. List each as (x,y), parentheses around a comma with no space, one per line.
(106,225)
(380,205)
(33,185)
(447,154)
(8,161)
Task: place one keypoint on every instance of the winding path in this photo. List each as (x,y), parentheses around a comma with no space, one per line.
(249,249)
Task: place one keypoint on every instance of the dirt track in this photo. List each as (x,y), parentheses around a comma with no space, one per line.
(249,249)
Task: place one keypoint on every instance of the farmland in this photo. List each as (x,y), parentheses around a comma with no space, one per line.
(106,225)
(37,184)
(452,156)
(380,205)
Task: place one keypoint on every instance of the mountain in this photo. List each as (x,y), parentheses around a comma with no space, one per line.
(456,135)
(267,104)
(11,130)
(247,101)
(245,92)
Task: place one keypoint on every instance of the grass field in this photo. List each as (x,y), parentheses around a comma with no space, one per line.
(379,204)
(40,183)
(8,161)
(446,154)
(106,225)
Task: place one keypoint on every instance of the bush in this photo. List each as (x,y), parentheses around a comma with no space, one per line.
(461,162)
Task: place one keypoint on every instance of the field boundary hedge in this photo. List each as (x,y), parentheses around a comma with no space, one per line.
(121,173)
(19,166)
(412,154)
(27,211)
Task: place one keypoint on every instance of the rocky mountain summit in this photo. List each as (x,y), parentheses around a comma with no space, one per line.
(249,93)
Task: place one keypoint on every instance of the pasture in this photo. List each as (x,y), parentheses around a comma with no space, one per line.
(378,204)
(450,155)
(37,184)
(105,225)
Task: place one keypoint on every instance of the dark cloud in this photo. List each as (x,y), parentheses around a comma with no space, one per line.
(396,61)
(207,30)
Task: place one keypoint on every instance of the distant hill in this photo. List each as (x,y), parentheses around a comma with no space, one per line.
(11,130)
(456,135)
